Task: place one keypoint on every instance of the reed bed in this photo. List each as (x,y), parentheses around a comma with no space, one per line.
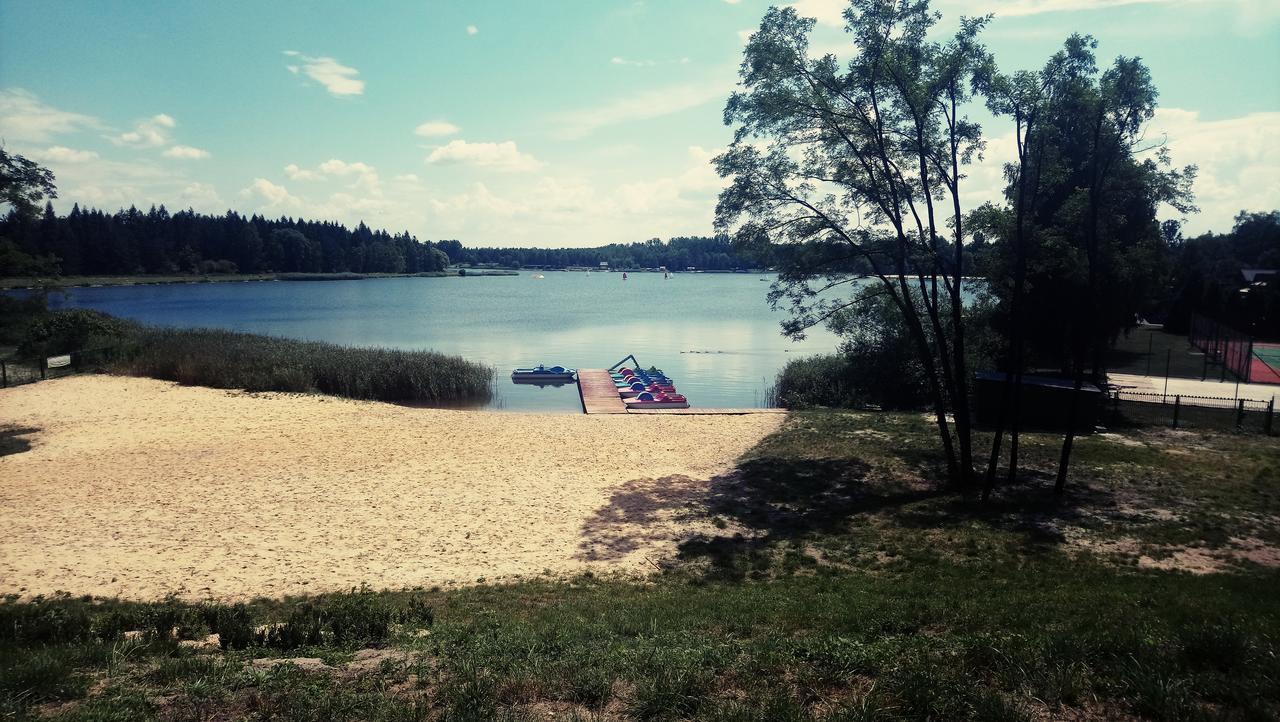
(229,360)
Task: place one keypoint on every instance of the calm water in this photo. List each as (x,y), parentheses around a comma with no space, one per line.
(713,333)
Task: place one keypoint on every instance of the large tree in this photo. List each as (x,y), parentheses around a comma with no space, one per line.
(857,168)
(1079,240)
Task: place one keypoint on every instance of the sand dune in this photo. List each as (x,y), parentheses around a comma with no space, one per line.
(138,488)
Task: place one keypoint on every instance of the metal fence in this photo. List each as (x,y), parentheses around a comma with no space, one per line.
(1180,411)
(1224,345)
(15,372)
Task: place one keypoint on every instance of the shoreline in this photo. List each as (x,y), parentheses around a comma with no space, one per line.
(16,283)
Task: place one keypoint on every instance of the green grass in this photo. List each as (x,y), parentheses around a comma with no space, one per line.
(839,584)
(228,360)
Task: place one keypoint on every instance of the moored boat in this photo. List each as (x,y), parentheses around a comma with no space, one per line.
(543,373)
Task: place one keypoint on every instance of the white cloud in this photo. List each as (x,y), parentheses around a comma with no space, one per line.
(62,154)
(1013,8)
(269,194)
(733,2)
(186,152)
(338,79)
(201,196)
(633,63)
(147,133)
(407,178)
(366,176)
(295,173)
(472,30)
(639,106)
(24,118)
(695,188)
(436,127)
(1239,161)
(498,156)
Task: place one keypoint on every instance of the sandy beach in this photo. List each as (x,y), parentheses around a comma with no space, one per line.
(139,488)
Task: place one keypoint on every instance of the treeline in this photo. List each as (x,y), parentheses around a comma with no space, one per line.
(680,253)
(1206,277)
(131,242)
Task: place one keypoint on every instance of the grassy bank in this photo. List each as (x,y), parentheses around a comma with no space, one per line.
(227,360)
(844,586)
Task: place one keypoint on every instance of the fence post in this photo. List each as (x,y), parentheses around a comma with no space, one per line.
(1168,360)
(4,375)
(1151,343)
(1177,402)
(1271,407)
(1240,414)
(41,362)
(1115,407)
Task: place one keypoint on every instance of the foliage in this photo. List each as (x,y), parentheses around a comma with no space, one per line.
(857,167)
(676,254)
(224,359)
(877,365)
(17,313)
(23,184)
(129,242)
(1206,277)
(70,330)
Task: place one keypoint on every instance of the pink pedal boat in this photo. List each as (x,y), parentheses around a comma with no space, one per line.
(649,400)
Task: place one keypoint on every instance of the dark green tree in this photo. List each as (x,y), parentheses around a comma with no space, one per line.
(858,168)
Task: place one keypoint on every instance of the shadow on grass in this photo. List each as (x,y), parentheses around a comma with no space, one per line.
(13,441)
(800,493)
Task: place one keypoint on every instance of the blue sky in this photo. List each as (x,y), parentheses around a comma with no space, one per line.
(563,122)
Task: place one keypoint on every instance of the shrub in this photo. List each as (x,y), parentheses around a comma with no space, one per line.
(232,624)
(65,331)
(359,617)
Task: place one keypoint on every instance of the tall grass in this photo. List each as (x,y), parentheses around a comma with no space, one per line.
(228,360)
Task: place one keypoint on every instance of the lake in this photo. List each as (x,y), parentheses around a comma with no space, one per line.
(713,333)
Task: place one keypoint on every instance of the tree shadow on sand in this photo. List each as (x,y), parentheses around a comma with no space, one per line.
(770,498)
(13,439)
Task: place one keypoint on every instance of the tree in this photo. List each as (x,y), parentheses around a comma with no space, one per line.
(1079,236)
(24,184)
(858,169)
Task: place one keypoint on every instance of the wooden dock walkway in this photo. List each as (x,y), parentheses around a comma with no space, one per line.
(600,396)
(598,392)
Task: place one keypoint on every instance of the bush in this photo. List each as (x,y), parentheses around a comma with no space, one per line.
(232,624)
(66,331)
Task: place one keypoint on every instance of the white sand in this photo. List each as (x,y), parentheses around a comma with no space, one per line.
(138,488)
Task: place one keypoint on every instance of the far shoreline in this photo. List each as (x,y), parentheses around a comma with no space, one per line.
(15,283)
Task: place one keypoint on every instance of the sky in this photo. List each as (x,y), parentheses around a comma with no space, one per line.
(553,123)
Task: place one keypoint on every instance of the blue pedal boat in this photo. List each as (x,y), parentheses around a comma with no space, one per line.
(543,373)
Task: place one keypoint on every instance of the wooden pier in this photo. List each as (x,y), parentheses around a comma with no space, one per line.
(600,396)
(599,393)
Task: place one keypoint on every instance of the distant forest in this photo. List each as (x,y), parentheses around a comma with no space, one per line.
(134,242)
